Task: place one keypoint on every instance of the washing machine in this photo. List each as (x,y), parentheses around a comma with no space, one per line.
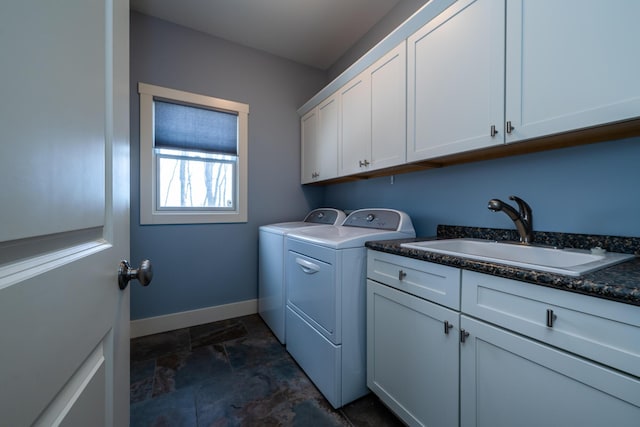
(271,288)
(325,275)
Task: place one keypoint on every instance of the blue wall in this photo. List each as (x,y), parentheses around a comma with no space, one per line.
(591,189)
(199,266)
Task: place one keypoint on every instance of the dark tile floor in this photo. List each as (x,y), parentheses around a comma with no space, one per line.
(232,373)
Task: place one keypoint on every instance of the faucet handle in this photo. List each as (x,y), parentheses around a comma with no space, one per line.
(523,207)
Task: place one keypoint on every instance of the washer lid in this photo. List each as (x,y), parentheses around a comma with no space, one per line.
(336,237)
(322,216)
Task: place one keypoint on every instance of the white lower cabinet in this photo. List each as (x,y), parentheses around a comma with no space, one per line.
(412,362)
(509,380)
(412,343)
(511,353)
(538,356)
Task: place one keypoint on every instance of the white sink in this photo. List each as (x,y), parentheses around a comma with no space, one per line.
(570,262)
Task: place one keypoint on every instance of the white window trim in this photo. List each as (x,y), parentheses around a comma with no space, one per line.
(149,214)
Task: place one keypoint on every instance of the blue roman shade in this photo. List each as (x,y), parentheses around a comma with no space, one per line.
(183,127)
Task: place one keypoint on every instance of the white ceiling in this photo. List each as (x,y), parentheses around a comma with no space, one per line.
(311,32)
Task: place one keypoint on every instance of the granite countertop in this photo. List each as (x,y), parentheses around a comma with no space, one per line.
(619,282)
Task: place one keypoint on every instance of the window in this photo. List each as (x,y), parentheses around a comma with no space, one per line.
(193,157)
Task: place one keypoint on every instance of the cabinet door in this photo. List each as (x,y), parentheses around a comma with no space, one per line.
(309,138)
(412,364)
(389,109)
(509,380)
(355,125)
(456,81)
(326,149)
(570,65)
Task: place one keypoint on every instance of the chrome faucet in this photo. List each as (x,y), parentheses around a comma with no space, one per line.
(522,219)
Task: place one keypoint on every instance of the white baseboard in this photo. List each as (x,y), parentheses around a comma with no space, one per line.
(185,319)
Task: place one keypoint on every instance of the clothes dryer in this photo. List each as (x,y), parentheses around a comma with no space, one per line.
(271,288)
(325,276)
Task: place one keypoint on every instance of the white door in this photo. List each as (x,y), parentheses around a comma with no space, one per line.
(64,207)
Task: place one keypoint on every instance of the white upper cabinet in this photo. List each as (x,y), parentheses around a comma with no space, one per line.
(475,74)
(389,109)
(355,125)
(373,116)
(570,64)
(309,142)
(456,81)
(320,142)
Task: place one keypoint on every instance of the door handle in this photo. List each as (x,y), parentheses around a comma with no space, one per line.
(307,267)
(144,274)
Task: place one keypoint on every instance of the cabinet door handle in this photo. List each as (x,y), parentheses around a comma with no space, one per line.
(550,318)
(363,163)
(463,335)
(447,327)
(510,128)
(494,131)
(401,275)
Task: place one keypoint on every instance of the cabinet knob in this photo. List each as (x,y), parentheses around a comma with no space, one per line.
(401,275)
(463,335)
(363,163)
(494,131)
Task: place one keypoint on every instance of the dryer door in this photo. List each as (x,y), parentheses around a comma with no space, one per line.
(311,292)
